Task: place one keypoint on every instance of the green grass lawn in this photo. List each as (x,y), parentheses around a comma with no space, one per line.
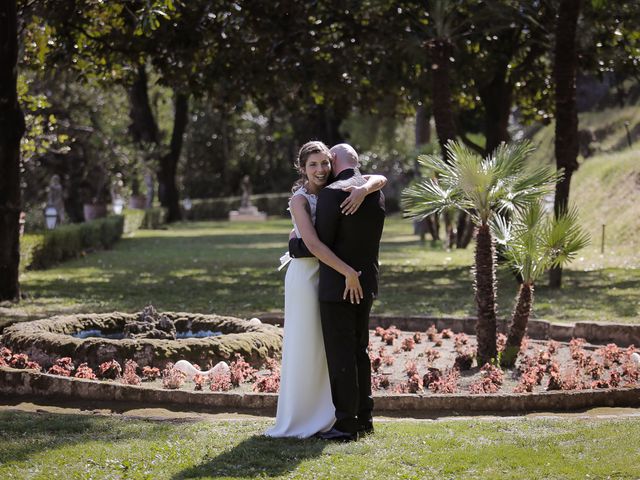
(81,446)
(230,268)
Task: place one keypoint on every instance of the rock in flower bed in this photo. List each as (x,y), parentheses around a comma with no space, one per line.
(428,362)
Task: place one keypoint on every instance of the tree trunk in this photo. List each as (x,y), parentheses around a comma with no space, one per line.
(319,123)
(518,327)
(496,97)
(143,126)
(169,162)
(423,128)
(464,233)
(11,131)
(423,136)
(485,287)
(440,51)
(566,141)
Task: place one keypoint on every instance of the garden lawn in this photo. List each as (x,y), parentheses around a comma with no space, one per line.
(230,268)
(83,446)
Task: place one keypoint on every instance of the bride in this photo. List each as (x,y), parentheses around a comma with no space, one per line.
(304,402)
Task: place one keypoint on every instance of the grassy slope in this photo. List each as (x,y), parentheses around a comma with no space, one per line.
(606,187)
(64,446)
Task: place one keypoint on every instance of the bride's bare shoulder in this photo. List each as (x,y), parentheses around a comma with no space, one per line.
(299,201)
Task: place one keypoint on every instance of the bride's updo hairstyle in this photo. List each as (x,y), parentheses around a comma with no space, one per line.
(305,152)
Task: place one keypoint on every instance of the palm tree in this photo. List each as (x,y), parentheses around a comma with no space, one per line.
(483,188)
(534,242)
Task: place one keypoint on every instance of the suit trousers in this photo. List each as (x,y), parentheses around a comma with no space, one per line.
(345,329)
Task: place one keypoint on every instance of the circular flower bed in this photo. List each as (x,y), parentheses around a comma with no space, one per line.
(46,341)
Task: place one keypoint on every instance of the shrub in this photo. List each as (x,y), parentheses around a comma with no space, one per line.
(220,381)
(172,378)
(84,371)
(431,354)
(109,370)
(42,250)
(19,360)
(271,382)
(130,377)
(150,373)
(149,219)
(408,344)
(490,381)
(62,366)
(447,383)
(241,371)
(379,382)
(410,368)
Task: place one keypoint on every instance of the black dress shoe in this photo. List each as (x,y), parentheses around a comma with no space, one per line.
(366,429)
(338,436)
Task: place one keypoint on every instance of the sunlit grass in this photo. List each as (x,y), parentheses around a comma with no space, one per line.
(81,446)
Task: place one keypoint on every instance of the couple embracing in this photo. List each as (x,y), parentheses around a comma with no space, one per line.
(331,281)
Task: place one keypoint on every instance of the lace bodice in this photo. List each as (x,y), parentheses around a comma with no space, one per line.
(312,199)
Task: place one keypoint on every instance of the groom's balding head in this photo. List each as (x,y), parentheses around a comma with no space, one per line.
(343,156)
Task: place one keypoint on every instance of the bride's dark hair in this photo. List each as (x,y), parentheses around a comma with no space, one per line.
(305,152)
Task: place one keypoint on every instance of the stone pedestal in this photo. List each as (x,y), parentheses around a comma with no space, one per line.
(247,214)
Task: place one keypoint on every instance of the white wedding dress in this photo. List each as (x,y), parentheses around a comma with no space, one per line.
(304,402)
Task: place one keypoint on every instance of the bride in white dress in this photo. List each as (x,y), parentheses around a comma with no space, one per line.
(304,402)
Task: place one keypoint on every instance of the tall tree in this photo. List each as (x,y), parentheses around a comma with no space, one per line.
(169,162)
(11,131)
(566,141)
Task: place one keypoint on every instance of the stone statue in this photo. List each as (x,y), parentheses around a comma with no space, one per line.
(246,212)
(150,184)
(245,201)
(55,197)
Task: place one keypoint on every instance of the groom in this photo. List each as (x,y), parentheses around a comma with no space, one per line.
(345,326)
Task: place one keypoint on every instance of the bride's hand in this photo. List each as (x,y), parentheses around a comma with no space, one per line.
(352,287)
(354,200)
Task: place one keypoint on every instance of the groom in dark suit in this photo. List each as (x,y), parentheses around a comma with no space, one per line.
(345,326)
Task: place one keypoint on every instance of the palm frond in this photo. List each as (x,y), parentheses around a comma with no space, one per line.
(527,188)
(508,159)
(427,197)
(565,237)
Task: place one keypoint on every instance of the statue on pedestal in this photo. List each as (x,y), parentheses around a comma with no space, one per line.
(245,201)
(55,198)
(246,212)
(150,184)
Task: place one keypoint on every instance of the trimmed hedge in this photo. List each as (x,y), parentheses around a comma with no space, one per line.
(219,208)
(41,250)
(148,219)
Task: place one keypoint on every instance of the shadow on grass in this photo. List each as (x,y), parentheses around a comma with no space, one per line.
(257,456)
(23,435)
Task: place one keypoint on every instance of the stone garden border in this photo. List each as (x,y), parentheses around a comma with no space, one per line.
(46,340)
(28,383)
(621,334)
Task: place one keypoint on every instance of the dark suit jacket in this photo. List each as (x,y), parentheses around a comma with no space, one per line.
(353,238)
